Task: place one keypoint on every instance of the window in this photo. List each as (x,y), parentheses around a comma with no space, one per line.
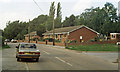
(48,36)
(56,36)
(28,46)
(64,35)
(113,36)
(60,37)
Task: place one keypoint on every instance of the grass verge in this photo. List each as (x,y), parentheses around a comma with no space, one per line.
(5,47)
(96,47)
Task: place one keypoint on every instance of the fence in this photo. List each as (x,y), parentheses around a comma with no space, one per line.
(40,42)
(62,44)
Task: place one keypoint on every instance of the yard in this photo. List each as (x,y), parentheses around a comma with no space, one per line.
(96,47)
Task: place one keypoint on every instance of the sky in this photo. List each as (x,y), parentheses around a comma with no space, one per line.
(23,10)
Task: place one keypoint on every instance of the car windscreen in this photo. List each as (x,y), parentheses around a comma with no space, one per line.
(27,46)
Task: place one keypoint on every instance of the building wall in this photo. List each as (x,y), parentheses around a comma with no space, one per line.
(26,38)
(84,32)
(31,37)
(114,36)
(75,35)
(61,37)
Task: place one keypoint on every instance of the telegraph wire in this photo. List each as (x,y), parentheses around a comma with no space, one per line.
(37,5)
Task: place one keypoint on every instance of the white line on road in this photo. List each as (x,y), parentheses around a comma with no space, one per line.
(26,65)
(60,59)
(46,52)
(69,64)
(63,61)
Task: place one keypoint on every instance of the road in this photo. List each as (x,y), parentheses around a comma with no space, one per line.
(53,58)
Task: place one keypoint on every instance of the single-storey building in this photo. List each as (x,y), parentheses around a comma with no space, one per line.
(33,35)
(114,36)
(78,33)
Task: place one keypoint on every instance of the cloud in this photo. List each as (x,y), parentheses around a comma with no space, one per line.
(5,1)
(81,5)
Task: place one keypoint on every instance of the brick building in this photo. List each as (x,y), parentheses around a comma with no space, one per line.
(115,36)
(33,35)
(77,33)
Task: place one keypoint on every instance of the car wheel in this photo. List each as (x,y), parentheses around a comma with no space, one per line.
(18,59)
(37,59)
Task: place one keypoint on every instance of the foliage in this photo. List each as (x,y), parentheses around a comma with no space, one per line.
(103,20)
(49,39)
(96,47)
(5,46)
(59,16)
(57,40)
(69,21)
(73,41)
(17,29)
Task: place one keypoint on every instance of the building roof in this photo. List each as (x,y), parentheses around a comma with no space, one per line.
(67,30)
(32,33)
(114,33)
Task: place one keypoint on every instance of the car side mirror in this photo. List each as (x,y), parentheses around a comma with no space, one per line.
(17,46)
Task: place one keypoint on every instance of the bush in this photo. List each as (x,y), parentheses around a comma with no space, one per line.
(92,40)
(49,39)
(2,39)
(73,41)
(34,39)
(96,39)
(57,41)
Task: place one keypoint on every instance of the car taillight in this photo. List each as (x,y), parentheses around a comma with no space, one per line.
(37,53)
(21,52)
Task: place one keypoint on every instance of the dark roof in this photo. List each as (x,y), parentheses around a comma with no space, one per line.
(67,29)
(32,33)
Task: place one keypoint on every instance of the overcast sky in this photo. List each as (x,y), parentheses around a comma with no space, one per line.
(23,10)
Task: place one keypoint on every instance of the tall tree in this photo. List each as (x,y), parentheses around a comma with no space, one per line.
(110,18)
(51,15)
(59,16)
(71,21)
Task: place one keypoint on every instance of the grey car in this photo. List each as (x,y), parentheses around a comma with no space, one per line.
(27,51)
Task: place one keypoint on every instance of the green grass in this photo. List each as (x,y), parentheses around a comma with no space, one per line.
(96,47)
(5,47)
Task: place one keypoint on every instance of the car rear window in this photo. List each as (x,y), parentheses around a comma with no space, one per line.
(27,46)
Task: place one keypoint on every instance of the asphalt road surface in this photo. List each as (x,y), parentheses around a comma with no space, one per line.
(55,59)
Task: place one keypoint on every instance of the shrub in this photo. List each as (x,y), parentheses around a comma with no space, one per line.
(92,40)
(2,39)
(57,41)
(73,41)
(49,39)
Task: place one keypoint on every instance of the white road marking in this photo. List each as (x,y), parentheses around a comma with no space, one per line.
(60,59)
(63,61)
(26,65)
(69,64)
(46,52)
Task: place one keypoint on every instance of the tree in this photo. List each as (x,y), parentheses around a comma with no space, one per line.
(51,16)
(13,29)
(72,20)
(69,21)
(59,16)
(110,18)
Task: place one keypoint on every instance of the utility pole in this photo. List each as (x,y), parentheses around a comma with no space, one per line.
(66,44)
(53,31)
(29,32)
